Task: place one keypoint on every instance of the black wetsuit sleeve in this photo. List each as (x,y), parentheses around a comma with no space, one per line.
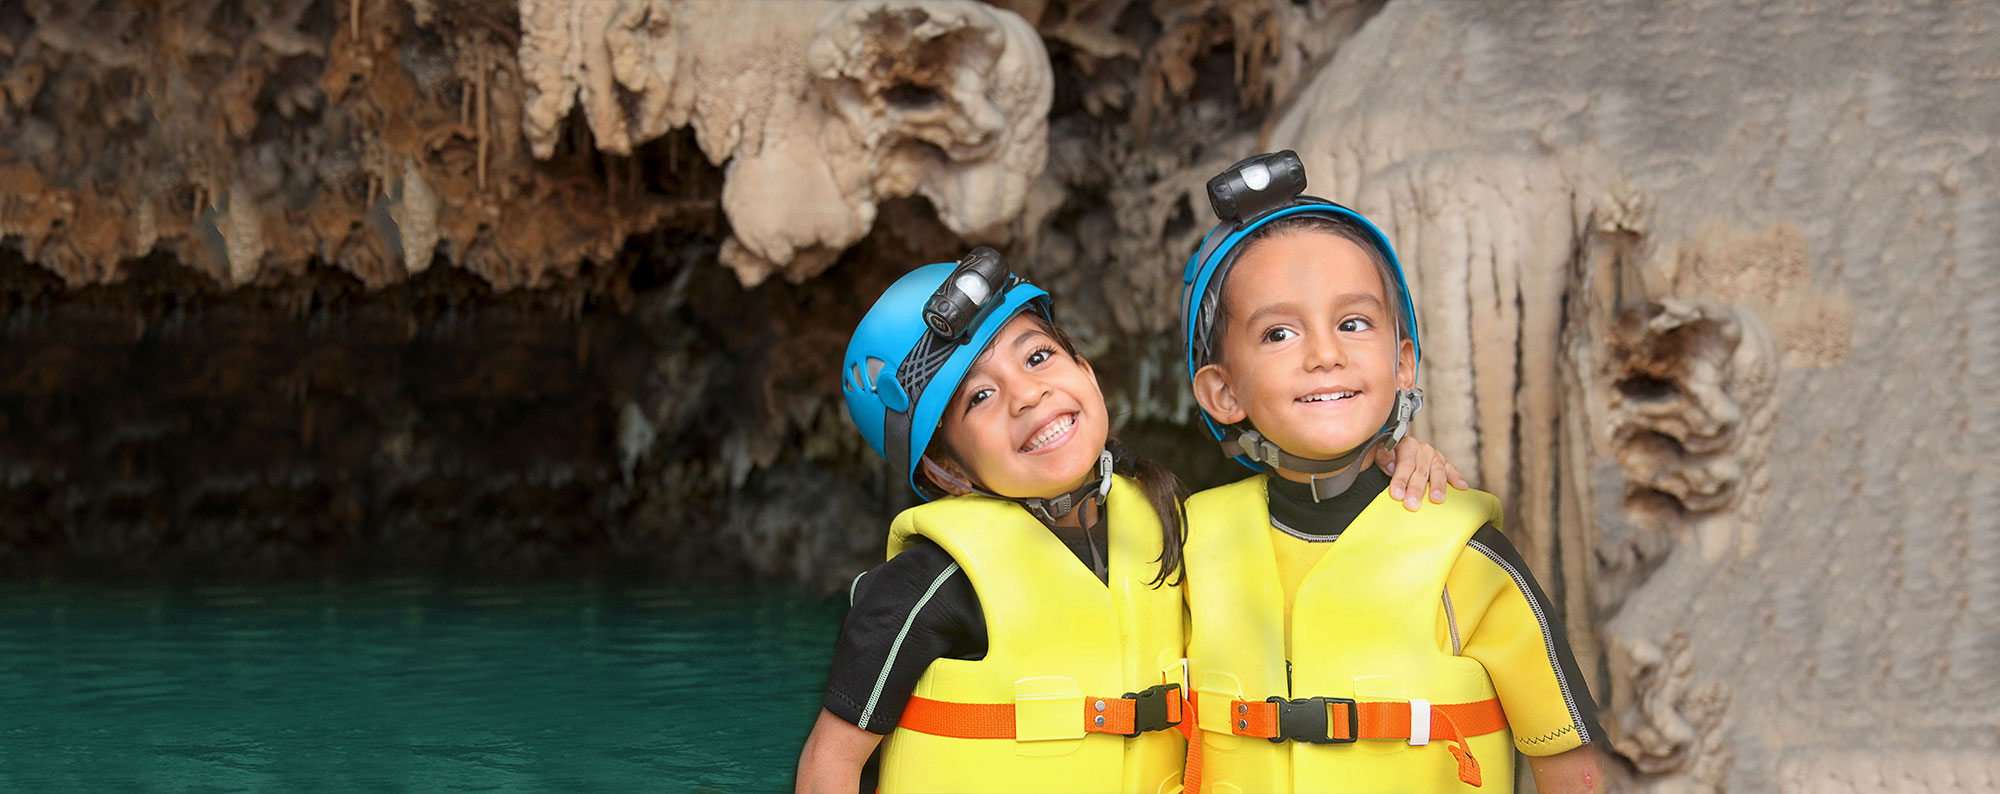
(906,613)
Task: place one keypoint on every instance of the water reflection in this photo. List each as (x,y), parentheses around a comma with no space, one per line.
(406,685)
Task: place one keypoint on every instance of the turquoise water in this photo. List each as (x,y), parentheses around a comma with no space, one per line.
(405,686)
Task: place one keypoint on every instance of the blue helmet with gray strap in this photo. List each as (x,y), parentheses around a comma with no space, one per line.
(1247,197)
(912,349)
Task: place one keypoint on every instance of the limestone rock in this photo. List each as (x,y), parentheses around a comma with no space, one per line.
(819,113)
(1706,324)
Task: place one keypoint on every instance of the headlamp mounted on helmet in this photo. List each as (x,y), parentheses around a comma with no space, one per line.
(1256,185)
(964,299)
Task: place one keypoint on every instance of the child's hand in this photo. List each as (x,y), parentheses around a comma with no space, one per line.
(1417,466)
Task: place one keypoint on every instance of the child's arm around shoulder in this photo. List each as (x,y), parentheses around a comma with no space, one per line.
(1417,467)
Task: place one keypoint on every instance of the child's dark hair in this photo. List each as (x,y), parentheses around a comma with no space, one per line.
(1344,228)
(1163,489)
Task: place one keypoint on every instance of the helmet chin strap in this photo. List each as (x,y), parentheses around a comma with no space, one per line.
(1048,511)
(1343,469)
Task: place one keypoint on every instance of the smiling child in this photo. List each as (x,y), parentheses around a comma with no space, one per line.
(1338,643)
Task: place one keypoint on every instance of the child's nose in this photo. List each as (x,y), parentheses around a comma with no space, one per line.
(1029,394)
(1324,351)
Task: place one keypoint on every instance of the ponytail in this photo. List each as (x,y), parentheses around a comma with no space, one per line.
(1168,496)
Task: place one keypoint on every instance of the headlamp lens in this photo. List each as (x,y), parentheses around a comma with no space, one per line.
(1256,176)
(974,287)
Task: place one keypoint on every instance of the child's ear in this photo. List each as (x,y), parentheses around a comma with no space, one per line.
(1406,365)
(1212,391)
(946,477)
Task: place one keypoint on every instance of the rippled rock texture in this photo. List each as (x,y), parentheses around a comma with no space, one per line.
(1704,288)
(1706,292)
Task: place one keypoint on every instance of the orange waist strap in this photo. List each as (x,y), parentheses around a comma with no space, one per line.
(1119,715)
(1344,721)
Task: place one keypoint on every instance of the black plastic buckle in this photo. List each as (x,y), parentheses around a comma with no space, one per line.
(1304,720)
(1150,708)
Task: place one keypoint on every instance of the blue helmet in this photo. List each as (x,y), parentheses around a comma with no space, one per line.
(1251,194)
(912,349)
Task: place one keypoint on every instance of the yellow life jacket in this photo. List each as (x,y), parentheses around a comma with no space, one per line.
(1063,651)
(1363,629)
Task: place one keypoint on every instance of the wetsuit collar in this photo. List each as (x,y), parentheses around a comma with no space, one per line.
(1293,505)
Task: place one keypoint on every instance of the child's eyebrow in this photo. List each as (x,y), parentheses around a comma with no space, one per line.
(1359,297)
(1268,309)
(985,355)
(1023,337)
(1343,299)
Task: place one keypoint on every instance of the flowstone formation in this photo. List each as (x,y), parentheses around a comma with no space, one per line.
(1710,327)
(818,112)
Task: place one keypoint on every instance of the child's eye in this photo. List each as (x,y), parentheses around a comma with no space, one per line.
(1279,334)
(1039,356)
(1355,325)
(979,396)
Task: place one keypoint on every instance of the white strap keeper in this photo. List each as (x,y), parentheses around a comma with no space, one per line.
(1420,722)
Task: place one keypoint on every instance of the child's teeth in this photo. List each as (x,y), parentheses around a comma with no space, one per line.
(1050,434)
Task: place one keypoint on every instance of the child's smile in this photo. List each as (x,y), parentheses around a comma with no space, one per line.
(1329,397)
(1052,434)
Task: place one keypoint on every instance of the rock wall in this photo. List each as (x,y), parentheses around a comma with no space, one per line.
(1703,286)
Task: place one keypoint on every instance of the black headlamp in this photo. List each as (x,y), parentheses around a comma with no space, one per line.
(1256,185)
(971,291)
